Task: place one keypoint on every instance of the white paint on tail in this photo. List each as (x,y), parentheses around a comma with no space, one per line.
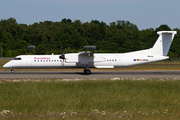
(163,43)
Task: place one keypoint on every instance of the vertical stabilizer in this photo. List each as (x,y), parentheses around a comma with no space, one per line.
(163,43)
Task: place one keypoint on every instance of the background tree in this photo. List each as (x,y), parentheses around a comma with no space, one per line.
(117,37)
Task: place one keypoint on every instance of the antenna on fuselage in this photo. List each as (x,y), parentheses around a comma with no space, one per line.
(30,47)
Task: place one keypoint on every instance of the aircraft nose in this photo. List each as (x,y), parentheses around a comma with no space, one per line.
(7,65)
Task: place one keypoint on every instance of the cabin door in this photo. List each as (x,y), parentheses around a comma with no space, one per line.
(29,61)
(119,61)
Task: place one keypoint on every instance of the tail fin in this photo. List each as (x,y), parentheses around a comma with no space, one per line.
(163,43)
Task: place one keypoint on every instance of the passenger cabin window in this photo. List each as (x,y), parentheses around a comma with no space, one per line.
(112,60)
(17,59)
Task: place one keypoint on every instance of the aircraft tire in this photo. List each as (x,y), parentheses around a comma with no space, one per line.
(12,71)
(88,72)
(85,71)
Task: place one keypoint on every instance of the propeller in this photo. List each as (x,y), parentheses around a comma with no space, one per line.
(62,56)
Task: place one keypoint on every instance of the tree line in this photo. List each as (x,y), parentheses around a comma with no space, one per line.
(117,37)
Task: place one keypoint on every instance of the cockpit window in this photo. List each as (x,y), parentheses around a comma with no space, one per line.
(17,59)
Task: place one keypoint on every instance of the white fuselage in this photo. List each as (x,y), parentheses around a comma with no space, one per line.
(88,60)
(73,60)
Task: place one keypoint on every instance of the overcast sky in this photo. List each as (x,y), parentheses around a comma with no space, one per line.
(143,13)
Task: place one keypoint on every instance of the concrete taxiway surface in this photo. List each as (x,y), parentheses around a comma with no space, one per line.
(94,75)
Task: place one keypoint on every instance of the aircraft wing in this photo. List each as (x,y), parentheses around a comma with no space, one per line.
(88,54)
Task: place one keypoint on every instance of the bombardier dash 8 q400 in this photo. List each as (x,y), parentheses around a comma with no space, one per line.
(88,60)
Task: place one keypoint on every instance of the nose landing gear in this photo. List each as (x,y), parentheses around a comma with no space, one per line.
(12,71)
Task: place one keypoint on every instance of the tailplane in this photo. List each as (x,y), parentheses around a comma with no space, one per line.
(163,43)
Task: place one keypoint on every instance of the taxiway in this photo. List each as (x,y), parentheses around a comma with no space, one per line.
(94,75)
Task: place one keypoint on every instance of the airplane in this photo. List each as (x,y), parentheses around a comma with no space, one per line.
(88,60)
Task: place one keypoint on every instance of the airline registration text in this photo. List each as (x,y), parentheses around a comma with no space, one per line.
(140,59)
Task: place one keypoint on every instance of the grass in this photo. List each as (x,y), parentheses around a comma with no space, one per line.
(90,99)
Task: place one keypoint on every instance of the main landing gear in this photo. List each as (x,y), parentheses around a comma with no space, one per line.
(86,70)
(12,71)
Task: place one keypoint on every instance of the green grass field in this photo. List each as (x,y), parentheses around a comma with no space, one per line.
(90,99)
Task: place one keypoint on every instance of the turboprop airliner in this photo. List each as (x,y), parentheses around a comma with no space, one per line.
(88,60)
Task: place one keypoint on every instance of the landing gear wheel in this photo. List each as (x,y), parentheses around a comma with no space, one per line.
(87,71)
(12,71)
